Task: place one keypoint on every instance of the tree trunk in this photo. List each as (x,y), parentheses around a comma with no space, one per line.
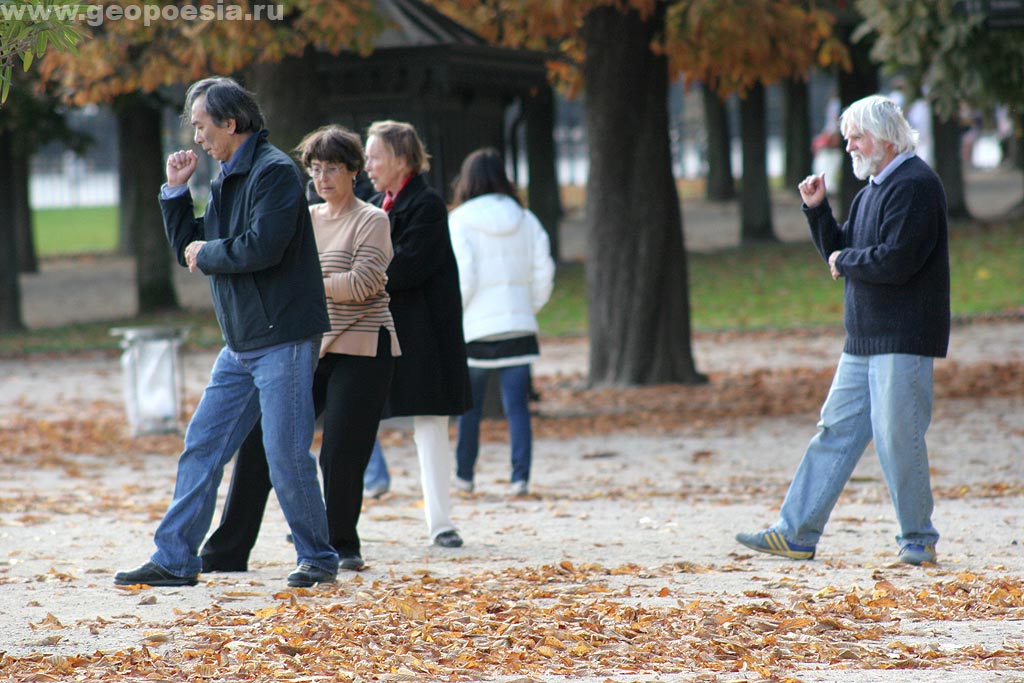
(949,165)
(10,291)
(21,207)
(542,192)
(721,186)
(636,263)
(755,193)
(141,166)
(797,120)
(855,84)
(289,97)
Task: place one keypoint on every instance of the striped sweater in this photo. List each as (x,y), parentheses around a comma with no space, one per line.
(355,250)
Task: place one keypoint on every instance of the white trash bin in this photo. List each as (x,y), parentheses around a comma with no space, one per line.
(153,377)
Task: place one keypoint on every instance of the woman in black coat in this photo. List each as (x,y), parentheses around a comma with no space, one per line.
(431,380)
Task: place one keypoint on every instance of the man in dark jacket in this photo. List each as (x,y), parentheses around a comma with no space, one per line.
(893,254)
(256,244)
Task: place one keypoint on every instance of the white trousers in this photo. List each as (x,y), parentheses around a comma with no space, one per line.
(430,433)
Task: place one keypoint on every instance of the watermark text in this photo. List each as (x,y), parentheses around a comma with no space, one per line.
(96,15)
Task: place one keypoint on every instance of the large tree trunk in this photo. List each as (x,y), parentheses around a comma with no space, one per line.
(721,186)
(289,97)
(636,264)
(949,165)
(141,165)
(797,121)
(10,292)
(21,207)
(755,194)
(542,192)
(859,82)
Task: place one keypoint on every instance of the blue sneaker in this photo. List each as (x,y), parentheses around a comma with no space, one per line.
(917,554)
(774,543)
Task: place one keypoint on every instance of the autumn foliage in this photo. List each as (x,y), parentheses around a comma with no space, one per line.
(122,56)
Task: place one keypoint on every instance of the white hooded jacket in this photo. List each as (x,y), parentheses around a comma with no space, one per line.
(506,272)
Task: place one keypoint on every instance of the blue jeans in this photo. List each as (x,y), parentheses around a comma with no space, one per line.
(515,394)
(280,385)
(887,398)
(376,473)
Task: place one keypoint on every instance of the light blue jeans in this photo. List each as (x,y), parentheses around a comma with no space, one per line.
(376,473)
(887,398)
(278,384)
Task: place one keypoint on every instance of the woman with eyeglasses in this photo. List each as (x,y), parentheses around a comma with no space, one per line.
(356,363)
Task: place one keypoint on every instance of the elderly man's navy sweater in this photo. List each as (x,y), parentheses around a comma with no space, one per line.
(895,261)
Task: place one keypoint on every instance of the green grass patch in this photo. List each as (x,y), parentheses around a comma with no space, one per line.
(95,336)
(987,268)
(788,285)
(84,230)
(756,287)
(565,314)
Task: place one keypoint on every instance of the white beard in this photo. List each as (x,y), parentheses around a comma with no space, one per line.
(865,167)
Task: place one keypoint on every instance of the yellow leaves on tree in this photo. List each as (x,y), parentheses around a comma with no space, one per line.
(123,55)
(733,44)
(729,44)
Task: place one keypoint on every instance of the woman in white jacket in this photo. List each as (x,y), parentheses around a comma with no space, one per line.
(506,274)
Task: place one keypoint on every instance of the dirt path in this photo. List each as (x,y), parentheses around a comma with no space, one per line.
(642,519)
(621,565)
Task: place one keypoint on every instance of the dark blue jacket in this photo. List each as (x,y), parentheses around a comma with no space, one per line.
(895,261)
(260,252)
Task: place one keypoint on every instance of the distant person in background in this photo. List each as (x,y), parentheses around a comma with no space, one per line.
(255,242)
(970,130)
(919,116)
(506,273)
(431,381)
(356,359)
(825,147)
(1004,133)
(893,255)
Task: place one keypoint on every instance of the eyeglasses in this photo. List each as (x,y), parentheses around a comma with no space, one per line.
(323,171)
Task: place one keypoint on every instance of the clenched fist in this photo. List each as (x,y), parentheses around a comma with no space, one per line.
(812,190)
(180,167)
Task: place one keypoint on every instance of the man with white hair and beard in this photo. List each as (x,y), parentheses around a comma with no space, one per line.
(893,255)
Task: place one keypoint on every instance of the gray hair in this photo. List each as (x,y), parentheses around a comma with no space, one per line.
(403,141)
(882,119)
(225,100)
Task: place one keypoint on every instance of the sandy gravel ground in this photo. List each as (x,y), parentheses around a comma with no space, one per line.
(669,503)
(666,505)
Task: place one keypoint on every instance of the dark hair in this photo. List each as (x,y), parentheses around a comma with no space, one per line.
(335,144)
(225,100)
(403,141)
(483,172)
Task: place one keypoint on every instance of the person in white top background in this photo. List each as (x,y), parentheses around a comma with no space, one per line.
(506,274)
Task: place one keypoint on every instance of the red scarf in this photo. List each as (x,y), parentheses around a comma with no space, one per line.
(389,199)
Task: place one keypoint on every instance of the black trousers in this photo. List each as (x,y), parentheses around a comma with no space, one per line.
(349,392)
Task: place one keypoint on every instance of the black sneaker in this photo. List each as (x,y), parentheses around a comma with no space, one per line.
(306,575)
(351,561)
(152,574)
(448,539)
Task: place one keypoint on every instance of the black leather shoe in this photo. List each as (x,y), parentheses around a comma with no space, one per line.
(152,574)
(448,539)
(212,564)
(306,575)
(352,561)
